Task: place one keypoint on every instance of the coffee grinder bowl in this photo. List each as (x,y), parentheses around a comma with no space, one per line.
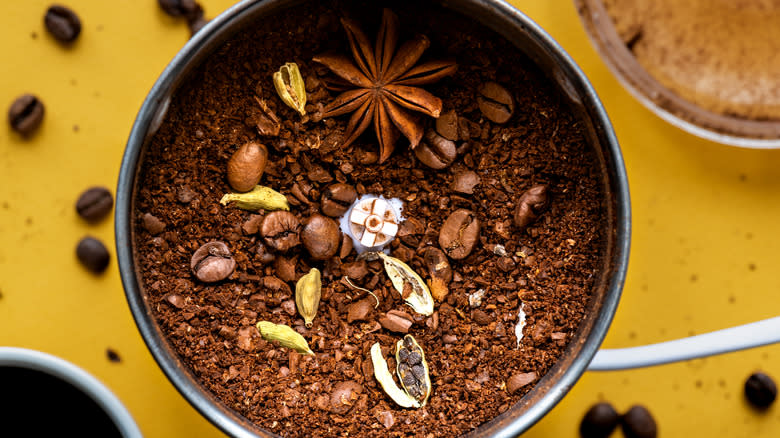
(572,84)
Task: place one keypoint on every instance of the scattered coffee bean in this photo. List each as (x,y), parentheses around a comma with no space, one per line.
(638,423)
(464,182)
(760,390)
(517,381)
(459,234)
(180,8)
(447,125)
(153,224)
(94,204)
(344,396)
(212,262)
(530,205)
(62,23)
(113,356)
(280,230)
(495,102)
(337,198)
(436,151)
(26,114)
(599,422)
(245,168)
(321,237)
(93,254)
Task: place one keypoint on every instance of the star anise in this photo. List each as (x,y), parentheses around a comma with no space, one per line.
(383,84)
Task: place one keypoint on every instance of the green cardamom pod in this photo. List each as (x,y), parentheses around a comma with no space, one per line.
(260,198)
(383,376)
(307,295)
(409,284)
(285,336)
(412,369)
(289,84)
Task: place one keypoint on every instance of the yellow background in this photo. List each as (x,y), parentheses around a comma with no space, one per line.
(703,255)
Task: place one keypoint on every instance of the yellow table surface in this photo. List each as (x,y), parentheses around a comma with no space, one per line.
(705,228)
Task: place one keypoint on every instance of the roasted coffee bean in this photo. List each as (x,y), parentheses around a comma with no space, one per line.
(212,262)
(281,230)
(599,422)
(436,151)
(94,204)
(337,198)
(246,166)
(530,205)
(180,8)
(93,254)
(459,234)
(638,423)
(760,390)
(321,237)
(62,23)
(495,102)
(26,114)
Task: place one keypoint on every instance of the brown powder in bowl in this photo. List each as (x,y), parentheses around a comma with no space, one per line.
(722,55)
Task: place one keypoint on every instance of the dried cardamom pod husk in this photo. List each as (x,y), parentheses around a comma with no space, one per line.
(285,336)
(289,84)
(411,286)
(260,198)
(383,376)
(307,295)
(412,369)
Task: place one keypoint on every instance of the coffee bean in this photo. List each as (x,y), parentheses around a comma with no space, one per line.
(180,8)
(337,198)
(638,423)
(321,237)
(62,23)
(93,254)
(760,390)
(436,151)
(459,234)
(94,204)
(246,166)
(26,114)
(599,422)
(280,230)
(530,205)
(495,102)
(212,262)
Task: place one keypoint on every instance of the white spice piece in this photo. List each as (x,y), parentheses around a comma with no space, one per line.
(520,324)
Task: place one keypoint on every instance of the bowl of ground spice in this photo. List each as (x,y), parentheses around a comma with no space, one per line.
(338,219)
(708,67)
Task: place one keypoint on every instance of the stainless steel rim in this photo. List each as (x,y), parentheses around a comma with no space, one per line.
(495,14)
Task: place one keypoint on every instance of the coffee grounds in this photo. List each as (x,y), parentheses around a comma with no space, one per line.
(721,55)
(550,267)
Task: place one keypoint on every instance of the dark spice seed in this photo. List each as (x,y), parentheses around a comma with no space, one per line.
(599,422)
(93,254)
(181,8)
(638,423)
(760,390)
(113,356)
(94,204)
(26,114)
(62,23)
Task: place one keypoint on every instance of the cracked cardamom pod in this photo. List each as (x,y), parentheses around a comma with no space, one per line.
(289,84)
(412,369)
(260,198)
(307,295)
(411,286)
(285,336)
(383,376)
